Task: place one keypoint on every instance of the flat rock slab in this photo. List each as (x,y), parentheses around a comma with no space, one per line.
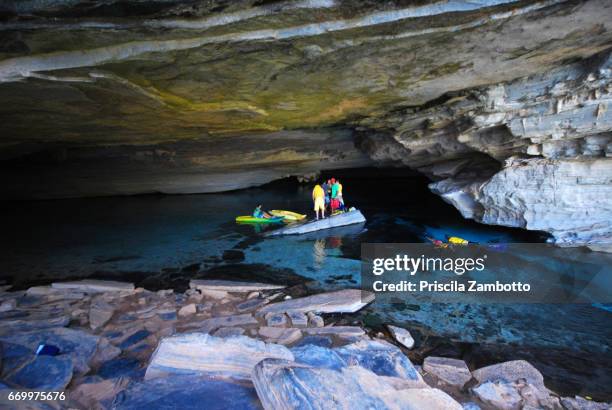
(203,354)
(231,286)
(93,285)
(75,344)
(214,323)
(510,372)
(43,373)
(344,332)
(281,384)
(187,392)
(342,301)
(32,323)
(451,371)
(343,219)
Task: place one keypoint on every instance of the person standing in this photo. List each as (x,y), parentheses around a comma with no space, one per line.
(318,197)
(326,190)
(339,195)
(334,195)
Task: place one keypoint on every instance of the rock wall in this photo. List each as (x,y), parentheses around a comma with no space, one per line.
(532,153)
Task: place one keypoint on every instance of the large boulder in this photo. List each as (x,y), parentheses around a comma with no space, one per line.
(282,384)
(510,372)
(203,354)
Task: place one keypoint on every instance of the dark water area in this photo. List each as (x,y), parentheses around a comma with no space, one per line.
(162,241)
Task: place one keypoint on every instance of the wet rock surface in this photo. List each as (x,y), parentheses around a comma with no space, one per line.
(143,357)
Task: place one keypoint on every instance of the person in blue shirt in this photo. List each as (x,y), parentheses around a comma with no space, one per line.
(258,213)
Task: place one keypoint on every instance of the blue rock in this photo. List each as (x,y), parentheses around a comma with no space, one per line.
(78,345)
(135,338)
(318,356)
(44,373)
(187,392)
(119,367)
(384,359)
(322,341)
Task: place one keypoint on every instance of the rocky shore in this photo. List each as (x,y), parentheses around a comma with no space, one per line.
(241,345)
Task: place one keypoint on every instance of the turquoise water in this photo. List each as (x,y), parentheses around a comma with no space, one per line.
(163,241)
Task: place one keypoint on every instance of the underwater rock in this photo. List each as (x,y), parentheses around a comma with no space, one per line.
(451,371)
(233,255)
(342,301)
(197,353)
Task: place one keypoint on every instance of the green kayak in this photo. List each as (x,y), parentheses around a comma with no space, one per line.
(252,219)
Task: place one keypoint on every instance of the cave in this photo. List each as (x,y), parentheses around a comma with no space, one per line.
(133,133)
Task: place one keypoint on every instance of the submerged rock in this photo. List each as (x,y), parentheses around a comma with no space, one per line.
(203,354)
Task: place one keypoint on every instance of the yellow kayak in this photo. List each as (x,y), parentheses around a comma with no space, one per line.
(455,240)
(288,215)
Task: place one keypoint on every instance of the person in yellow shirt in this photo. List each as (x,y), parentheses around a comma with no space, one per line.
(318,196)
